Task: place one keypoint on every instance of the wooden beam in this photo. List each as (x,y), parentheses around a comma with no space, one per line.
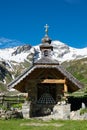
(57,81)
(65,88)
(50,81)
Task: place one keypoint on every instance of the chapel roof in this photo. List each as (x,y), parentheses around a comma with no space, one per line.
(74,84)
(46,61)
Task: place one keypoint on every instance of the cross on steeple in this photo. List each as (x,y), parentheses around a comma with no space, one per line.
(46,29)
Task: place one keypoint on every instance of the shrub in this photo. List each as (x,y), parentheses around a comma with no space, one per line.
(82,111)
(19,106)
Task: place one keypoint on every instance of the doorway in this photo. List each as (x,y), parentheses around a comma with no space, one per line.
(46,94)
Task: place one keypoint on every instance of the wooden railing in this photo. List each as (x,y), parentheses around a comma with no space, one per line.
(11,99)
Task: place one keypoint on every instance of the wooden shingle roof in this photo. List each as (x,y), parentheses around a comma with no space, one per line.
(73,83)
(46,60)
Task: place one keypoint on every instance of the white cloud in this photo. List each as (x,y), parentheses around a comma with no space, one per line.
(5,40)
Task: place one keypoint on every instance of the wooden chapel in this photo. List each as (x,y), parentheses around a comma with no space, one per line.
(46,82)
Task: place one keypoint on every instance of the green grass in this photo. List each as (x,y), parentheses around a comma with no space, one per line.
(49,125)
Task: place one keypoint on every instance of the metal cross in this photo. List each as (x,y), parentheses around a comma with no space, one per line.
(46,29)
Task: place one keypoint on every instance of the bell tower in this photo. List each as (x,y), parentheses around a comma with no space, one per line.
(46,47)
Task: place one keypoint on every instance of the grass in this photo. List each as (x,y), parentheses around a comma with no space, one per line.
(42,125)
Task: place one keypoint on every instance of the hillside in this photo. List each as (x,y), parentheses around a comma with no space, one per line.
(78,68)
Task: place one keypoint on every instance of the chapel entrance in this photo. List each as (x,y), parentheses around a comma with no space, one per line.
(46,99)
(46,94)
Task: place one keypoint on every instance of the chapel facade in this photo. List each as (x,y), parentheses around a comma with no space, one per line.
(46,82)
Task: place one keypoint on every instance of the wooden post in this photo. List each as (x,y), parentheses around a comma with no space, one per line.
(65,88)
(3,99)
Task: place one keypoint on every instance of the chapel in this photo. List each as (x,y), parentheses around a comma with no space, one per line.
(46,81)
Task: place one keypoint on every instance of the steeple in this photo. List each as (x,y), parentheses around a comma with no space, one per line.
(46,47)
(46,38)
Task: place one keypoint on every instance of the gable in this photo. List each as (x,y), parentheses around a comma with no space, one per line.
(38,73)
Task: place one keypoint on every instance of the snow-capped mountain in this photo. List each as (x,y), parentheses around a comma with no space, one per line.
(16,54)
(61,52)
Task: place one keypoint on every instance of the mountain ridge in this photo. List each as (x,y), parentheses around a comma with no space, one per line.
(61,52)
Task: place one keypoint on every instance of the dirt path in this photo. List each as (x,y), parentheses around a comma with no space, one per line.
(41,124)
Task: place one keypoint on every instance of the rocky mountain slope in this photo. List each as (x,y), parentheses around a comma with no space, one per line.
(78,68)
(15,59)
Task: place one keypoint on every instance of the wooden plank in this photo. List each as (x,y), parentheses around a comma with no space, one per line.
(57,81)
(65,88)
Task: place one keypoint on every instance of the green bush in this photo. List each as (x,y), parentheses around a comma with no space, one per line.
(82,111)
(17,106)
(3,107)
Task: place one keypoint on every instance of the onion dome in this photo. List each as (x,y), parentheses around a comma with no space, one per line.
(46,39)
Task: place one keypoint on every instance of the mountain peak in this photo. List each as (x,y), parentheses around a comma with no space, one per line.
(61,51)
(21,49)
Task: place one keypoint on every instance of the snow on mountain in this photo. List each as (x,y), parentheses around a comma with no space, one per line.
(6,54)
(9,54)
(61,52)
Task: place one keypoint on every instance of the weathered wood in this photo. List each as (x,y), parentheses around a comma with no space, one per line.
(57,81)
(11,99)
(53,81)
(65,87)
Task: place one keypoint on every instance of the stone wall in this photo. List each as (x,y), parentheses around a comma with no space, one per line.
(10,114)
(26,110)
(61,111)
(75,115)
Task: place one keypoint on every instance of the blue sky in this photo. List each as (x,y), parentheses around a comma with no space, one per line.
(24,20)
